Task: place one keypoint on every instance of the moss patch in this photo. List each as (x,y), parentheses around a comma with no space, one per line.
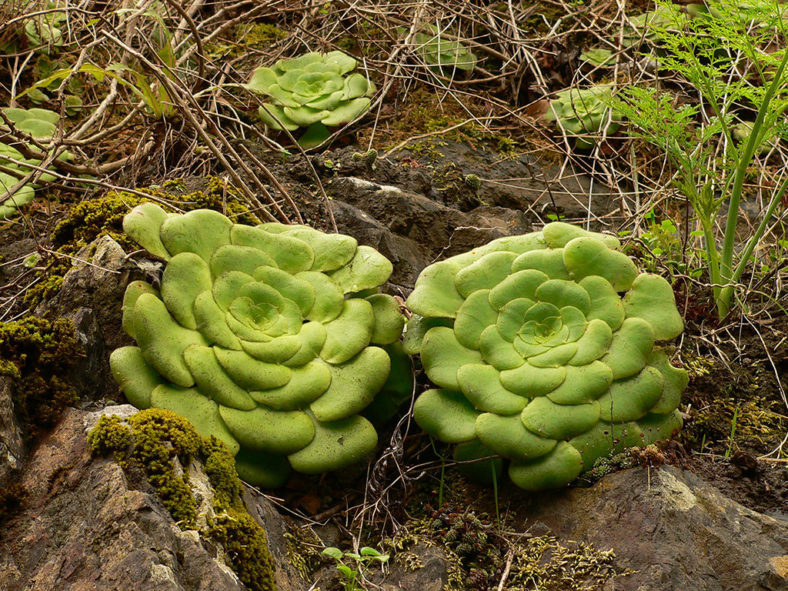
(91,219)
(423,112)
(246,547)
(258,35)
(149,441)
(38,353)
(478,550)
(303,551)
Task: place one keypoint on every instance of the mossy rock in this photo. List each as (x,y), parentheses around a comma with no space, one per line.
(149,441)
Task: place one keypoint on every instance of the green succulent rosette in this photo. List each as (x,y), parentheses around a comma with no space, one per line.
(312,91)
(271,338)
(41,124)
(584,115)
(539,359)
(442,53)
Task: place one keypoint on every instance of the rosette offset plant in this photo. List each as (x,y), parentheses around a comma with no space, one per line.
(539,359)
(583,114)
(444,54)
(41,124)
(312,91)
(269,338)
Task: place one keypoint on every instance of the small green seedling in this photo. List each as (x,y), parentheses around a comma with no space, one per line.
(352,576)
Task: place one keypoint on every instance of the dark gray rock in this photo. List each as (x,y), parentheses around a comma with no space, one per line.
(412,230)
(85,527)
(12,445)
(99,275)
(428,571)
(676,530)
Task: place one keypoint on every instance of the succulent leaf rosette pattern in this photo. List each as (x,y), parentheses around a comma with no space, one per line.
(584,115)
(312,91)
(269,338)
(41,124)
(537,357)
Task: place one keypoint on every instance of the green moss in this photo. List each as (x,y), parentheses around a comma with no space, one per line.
(97,217)
(547,564)
(149,441)
(476,548)
(220,468)
(719,392)
(303,551)
(246,547)
(607,465)
(111,435)
(37,353)
(258,35)
(422,112)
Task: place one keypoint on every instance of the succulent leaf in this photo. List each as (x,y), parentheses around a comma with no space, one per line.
(259,336)
(137,379)
(335,445)
(540,358)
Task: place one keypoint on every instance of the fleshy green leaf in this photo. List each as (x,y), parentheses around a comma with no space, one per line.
(446,415)
(651,298)
(586,256)
(349,332)
(136,378)
(353,385)
(270,431)
(201,231)
(435,293)
(555,470)
(508,437)
(162,340)
(443,355)
(630,348)
(336,445)
(557,421)
(631,399)
(142,224)
(389,321)
(481,385)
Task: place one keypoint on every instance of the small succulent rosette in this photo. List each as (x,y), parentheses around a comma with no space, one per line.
(312,91)
(269,338)
(539,359)
(583,114)
(41,124)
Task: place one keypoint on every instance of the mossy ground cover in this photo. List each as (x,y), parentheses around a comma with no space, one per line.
(38,354)
(150,441)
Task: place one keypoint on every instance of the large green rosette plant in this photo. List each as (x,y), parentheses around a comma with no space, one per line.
(269,338)
(312,91)
(539,359)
